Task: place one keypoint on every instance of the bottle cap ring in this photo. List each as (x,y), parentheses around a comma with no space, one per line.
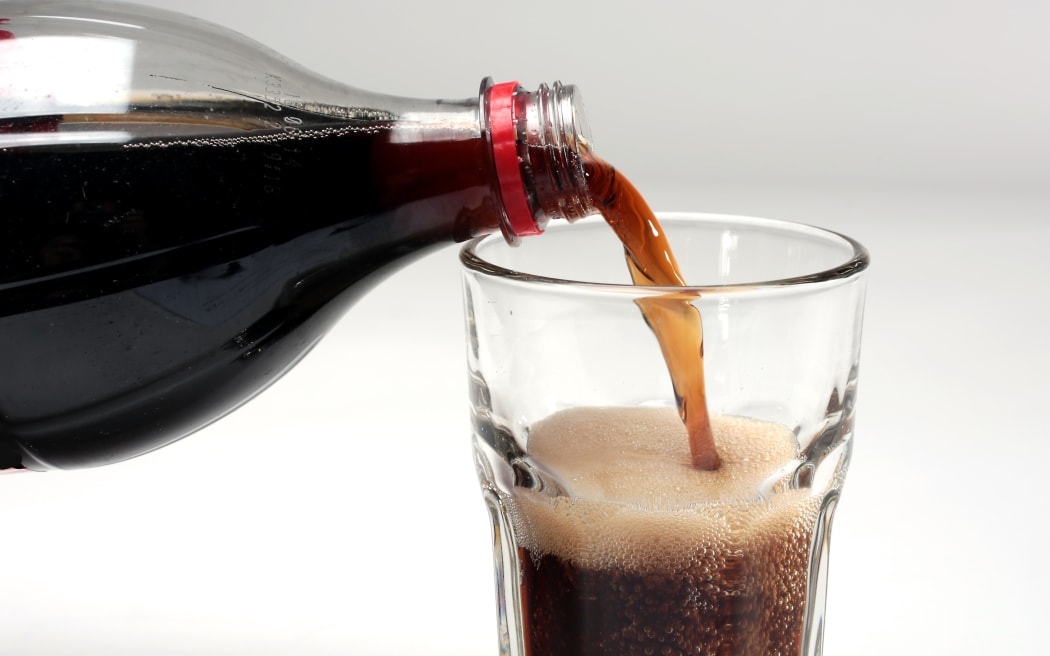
(503,123)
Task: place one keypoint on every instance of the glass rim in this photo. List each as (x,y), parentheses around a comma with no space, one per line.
(855,265)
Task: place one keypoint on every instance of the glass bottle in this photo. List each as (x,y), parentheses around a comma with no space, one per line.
(184,213)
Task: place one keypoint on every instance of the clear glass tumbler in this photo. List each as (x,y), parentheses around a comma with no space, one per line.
(607,540)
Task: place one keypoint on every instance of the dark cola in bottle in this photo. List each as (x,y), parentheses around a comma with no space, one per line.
(183,215)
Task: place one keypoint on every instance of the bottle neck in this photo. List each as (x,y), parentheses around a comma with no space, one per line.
(538,141)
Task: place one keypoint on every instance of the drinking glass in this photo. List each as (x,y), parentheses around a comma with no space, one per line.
(606,538)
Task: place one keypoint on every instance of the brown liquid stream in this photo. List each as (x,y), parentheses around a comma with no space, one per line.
(674,320)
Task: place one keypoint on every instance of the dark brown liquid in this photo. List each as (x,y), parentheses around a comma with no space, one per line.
(672,317)
(711,609)
(149,287)
(644,556)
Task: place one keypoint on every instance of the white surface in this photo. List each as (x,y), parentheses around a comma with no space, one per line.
(920,131)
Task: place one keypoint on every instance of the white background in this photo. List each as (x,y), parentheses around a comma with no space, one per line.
(338,513)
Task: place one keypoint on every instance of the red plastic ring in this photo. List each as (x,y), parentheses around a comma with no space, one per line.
(503,123)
